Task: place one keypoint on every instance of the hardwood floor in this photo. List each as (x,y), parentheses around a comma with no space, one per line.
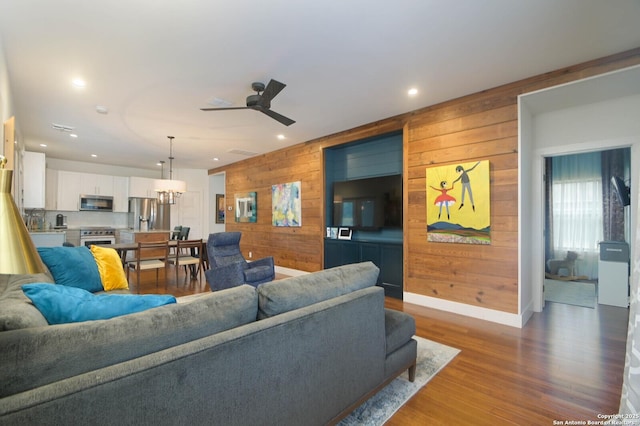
(167,284)
(565,364)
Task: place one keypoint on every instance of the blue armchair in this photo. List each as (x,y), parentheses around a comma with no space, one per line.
(228,268)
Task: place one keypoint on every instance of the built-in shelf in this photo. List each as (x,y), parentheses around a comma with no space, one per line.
(386,256)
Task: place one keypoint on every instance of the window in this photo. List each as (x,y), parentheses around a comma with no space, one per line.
(577,212)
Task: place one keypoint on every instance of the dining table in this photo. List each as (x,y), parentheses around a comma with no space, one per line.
(123,249)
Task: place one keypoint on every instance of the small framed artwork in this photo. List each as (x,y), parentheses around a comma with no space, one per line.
(246,207)
(344,234)
(220,208)
(334,233)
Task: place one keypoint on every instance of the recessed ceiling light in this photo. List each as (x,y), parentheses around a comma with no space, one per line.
(73,135)
(79,83)
(94,155)
(413,91)
(281,137)
(44,145)
(216,159)
(101,109)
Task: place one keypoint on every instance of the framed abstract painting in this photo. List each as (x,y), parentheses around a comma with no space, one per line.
(286,204)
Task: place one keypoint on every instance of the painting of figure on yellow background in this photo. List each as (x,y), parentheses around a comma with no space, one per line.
(458,203)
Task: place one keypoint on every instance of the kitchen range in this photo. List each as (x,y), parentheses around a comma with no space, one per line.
(97,235)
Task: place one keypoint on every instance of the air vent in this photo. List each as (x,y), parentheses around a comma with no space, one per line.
(242,152)
(220,102)
(61,127)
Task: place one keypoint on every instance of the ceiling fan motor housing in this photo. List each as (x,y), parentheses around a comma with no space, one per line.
(254,100)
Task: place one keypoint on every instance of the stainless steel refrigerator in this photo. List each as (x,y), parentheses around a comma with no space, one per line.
(146,214)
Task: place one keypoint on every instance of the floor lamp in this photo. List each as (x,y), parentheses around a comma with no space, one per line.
(18,254)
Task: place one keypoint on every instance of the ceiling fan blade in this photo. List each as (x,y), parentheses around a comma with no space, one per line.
(273,88)
(279,117)
(222,108)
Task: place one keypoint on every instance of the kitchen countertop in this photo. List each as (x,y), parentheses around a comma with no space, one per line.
(145,232)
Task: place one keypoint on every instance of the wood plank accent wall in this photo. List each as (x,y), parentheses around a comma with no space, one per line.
(481,126)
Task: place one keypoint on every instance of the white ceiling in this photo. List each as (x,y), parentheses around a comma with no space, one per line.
(155,63)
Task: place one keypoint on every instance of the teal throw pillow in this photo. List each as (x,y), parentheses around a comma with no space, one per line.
(62,304)
(72,266)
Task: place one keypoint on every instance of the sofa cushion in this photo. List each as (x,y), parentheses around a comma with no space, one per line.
(72,266)
(56,352)
(285,295)
(16,309)
(399,328)
(110,268)
(62,304)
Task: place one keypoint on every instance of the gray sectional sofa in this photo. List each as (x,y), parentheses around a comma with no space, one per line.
(303,350)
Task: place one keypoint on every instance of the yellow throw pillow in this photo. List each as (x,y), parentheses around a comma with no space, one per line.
(110,268)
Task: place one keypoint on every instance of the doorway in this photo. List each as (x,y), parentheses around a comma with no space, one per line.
(582,208)
(592,114)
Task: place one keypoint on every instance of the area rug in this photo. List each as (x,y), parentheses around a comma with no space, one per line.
(570,293)
(432,357)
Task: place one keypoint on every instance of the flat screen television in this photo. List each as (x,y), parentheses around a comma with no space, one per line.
(368,204)
(622,191)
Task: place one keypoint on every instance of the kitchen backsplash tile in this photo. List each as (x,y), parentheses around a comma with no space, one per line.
(79,219)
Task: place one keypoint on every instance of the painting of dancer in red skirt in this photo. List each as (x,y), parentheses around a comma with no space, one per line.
(465,185)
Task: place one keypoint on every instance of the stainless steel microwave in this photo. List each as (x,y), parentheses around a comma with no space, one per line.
(96,203)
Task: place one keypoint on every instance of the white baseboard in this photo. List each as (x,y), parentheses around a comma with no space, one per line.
(512,320)
(290,272)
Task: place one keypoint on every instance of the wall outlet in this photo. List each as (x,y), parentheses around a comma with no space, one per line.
(250,255)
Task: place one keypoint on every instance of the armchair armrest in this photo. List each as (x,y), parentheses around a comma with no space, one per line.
(265,261)
(226,276)
(260,271)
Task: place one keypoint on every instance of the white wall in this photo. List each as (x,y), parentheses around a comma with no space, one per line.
(7,111)
(105,169)
(609,122)
(192,208)
(6,106)
(216,186)
(525,219)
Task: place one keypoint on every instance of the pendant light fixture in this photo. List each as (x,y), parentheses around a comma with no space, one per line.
(168,189)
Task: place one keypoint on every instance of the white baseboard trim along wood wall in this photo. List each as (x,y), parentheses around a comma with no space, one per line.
(513,320)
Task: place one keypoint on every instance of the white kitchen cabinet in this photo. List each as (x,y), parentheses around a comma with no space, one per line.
(33,195)
(51,190)
(92,184)
(140,187)
(120,194)
(69,187)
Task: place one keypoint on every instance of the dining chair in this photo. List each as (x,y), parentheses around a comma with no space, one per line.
(188,254)
(149,255)
(176,232)
(175,235)
(184,233)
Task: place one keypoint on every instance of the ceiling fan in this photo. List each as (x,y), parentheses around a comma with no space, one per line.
(262,101)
